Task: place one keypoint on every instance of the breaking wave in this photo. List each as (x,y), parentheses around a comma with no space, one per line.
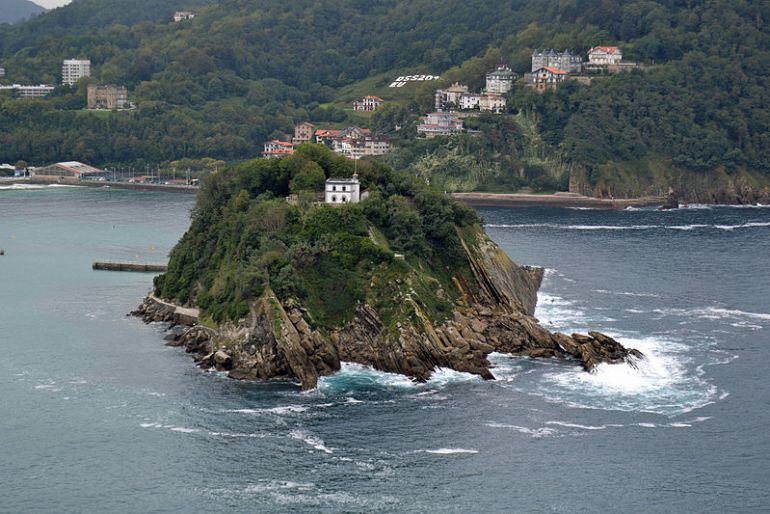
(555,226)
(354,376)
(664,382)
(450,451)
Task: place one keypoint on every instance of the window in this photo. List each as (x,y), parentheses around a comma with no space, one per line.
(344,199)
(343,188)
(334,198)
(334,188)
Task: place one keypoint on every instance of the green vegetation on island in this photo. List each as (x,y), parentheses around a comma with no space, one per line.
(246,237)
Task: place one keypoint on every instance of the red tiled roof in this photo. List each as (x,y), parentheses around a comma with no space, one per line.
(281,143)
(555,71)
(605,49)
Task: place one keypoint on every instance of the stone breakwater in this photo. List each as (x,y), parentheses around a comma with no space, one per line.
(277,338)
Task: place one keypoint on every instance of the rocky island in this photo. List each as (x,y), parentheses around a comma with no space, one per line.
(405,281)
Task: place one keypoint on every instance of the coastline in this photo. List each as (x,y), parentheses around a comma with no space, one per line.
(64,181)
(554,200)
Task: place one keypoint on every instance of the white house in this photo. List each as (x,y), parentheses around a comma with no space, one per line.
(183,15)
(604,55)
(342,190)
(500,80)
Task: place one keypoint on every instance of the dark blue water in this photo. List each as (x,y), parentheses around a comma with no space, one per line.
(96,415)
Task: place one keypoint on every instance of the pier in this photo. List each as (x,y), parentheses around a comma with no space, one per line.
(129,266)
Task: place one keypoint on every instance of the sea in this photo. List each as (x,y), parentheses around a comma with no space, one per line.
(97,415)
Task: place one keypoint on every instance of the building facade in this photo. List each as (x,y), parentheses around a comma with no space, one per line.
(28,91)
(107,97)
(500,80)
(303,133)
(604,56)
(276,148)
(565,61)
(546,78)
(440,124)
(183,15)
(71,169)
(492,102)
(342,190)
(449,98)
(73,70)
(367,103)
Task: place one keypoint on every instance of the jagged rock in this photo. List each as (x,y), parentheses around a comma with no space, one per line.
(222,360)
(671,202)
(276,339)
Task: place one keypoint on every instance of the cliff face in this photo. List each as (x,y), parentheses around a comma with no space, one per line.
(717,186)
(494,314)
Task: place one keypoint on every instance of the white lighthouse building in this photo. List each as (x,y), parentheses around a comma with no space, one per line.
(342,190)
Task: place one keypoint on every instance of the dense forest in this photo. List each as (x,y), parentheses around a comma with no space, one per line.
(245,237)
(244,71)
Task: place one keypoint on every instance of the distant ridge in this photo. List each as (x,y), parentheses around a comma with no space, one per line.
(12,11)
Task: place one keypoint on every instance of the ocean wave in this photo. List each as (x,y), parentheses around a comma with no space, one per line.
(28,187)
(450,451)
(533,432)
(353,376)
(288,409)
(661,383)
(684,228)
(714,313)
(584,427)
(311,440)
(627,293)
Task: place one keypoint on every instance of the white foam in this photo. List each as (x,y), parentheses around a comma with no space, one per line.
(629,227)
(234,435)
(583,427)
(274,485)
(714,313)
(660,383)
(450,451)
(534,432)
(288,409)
(316,442)
(358,376)
(184,430)
(627,293)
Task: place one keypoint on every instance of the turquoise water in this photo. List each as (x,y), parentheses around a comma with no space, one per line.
(97,415)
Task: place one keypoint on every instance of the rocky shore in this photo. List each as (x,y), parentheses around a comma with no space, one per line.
(277,338)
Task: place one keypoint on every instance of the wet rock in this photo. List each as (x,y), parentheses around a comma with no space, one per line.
(222,360)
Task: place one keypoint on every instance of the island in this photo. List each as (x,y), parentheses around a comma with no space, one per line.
(294,265)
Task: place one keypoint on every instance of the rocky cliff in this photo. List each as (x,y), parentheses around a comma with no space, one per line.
(493,312)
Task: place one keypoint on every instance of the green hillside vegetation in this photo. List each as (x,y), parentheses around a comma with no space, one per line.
(244,71)
(245,237)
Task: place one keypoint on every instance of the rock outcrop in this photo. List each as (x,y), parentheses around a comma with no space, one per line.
(277,339)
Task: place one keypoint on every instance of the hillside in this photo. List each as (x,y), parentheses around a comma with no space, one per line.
(12,11)
(244,71)
(405,281)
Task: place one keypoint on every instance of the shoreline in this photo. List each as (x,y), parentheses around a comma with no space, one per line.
(554,200)
(65,181)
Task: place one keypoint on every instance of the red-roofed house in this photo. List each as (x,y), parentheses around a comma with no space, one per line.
(276,148)
(324,136)
(604,55)
(546,77)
